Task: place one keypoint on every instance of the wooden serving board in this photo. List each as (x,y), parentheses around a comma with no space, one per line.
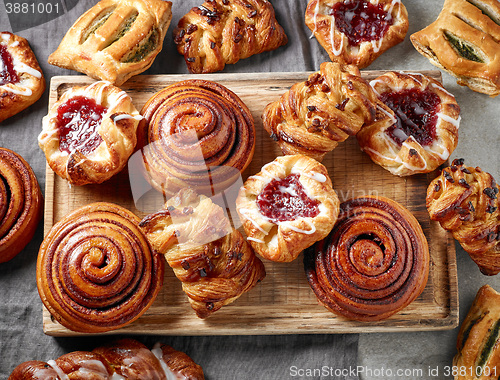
(283,302)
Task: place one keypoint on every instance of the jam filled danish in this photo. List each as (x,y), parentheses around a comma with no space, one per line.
(416,127)
(357,31)
(115,39)
(89,133)
(21,80)
(287,206)
(374,263)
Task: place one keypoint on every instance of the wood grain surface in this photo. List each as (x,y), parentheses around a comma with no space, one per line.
(283,302)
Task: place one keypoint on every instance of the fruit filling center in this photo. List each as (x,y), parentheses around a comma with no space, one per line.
(361,21)
(416,115)
(7,72)
(285,199)
(77,122)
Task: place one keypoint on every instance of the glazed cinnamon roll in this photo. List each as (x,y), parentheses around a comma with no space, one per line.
(200,135)
(214,262)
(123,359)
(21,204)
(314,116)
(374,262)
(96,271)
(465,201)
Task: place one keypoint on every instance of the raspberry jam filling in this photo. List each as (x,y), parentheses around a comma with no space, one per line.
(361,21)
(285,199)
(416,115)
(77,122)
(7,72)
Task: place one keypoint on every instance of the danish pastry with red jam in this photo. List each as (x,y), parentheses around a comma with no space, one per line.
(288,206)
(416,128)
(357,31)
(89,133)
(21,79)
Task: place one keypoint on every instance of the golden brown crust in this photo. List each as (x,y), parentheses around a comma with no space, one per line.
(96,271)
(463,41)
(21,204)
(284,241)
(118,131)
(374,263)
(478,354)
(410,157)
(200,135)
(221,32)
(212,260)
(315,115)
(124,358)
(319,19)
(115,39)
(465,201)
(15,97)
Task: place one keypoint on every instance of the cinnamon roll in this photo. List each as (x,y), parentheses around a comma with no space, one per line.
(314,116)
(122,359)
(96,271)
(374,263)
(214,262)
(21,204)
(416,127)
(221,32)
(465,201)
(200,135)
(288,206)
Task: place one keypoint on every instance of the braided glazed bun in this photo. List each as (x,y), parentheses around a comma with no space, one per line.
(21,204)
(374,263)
(464,200)
(214,262)
(123,359)
(200,135)
(221,32)
(315,115)
(96,271)
(416,128)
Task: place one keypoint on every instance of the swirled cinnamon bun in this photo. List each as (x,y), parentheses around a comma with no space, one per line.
(214,262)
(288,206)
(21,204)
(357,32)
(416,128)
(221,32)
(89,133)
(464,200)
(96,270)
(200,135)
(21,80)
(374,263)
(115,39)
(122,359)
(314,116)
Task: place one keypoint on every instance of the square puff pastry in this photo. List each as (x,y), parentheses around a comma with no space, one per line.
(115,39)
(464,41)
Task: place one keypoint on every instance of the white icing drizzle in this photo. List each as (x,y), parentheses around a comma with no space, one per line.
(439,87)
(126,116)
(449,119)
(245,212)
(315,176)
(444,154)
(411,167)
(168,372)
(377,44)
(316,11)
(335,51)
(391,8)
(23,68)
(23,91)
(93,367)
(373,83)
(288,224)
(5,37)
(256,240)
(14,44)
(391,116)
(116,376)
(58,370)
